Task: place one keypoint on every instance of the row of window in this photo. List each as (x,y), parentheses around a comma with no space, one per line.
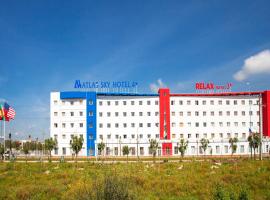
(132,103)
(71,103)
(218,113)
(71,114)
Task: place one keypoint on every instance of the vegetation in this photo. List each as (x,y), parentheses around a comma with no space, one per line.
(153,148)
(193,180)
(126,151)
(2,151)
(101,147)
(254,143)
(50,144)
(26,148)
(233,144)
(183,147)
(204,144)
(76,144)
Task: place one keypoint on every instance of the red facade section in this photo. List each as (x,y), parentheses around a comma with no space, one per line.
(164,114)
(266,113)
(167,149)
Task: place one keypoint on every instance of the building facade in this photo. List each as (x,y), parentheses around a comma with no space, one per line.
(119,119)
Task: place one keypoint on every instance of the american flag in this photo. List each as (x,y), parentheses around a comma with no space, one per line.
(10,112)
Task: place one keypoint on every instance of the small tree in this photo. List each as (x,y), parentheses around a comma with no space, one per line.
(153,148)
(233,144)
(204,143)
(101,147)
(126,151)
(50,144)
(183,147)
(76,144)
(25,149)
(254,142)
(2,151)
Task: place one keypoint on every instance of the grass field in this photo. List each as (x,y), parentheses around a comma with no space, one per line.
(181,180)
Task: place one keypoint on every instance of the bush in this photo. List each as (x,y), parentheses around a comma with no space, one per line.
(219,193)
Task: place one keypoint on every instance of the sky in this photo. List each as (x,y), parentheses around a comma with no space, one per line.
(46,45)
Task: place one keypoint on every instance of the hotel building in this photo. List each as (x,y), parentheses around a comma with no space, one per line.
(119,119)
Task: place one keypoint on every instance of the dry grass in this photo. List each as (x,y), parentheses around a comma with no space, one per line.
(185,180)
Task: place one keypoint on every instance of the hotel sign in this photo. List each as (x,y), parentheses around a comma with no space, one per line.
(107,86)
(212,87)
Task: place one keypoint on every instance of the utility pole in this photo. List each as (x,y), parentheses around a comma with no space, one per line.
(260,121)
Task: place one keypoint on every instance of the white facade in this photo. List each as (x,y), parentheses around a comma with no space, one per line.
(135,119)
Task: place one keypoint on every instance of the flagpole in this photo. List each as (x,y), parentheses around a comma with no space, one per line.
(4,138)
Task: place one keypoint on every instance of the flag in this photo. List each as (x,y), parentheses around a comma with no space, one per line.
(7,112)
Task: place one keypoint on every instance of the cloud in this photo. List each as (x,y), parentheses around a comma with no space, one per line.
(154,87)
(254,65)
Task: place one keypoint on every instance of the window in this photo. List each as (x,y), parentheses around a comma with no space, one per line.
(220,102)
(64,151)
(116,103)
(132,125)
(243,113)
(100,103)
(196,102)
(227,102)
(196,113)
(71,114)
(156,113)
(173,124)
(228,135)
(173,113)
(91,113)
(116,114)
(172,103)
(204,102)
(55,102)
(140,103)
(242,149)
(220,113)
(55,125)
(181,113)
(100,114)
(235,123)
(213,124)
(157,124)
(228,124)
(63,103)
(100,125)
(90,125)
(197,135)
(228,113)
(235,113)
(125,125)
(91,137)
(243,102)
(148,102)
(81,125)
(108,125)
(226,149)
(244,135)
(109,136)
(140,114)
(148,136)
(189,124)
(132,114)
(236,135)
(91,102)
(221,135)
(124,114)
(250,113)
(244,124)
(204,124)
(124,103)
(212,135)
(181,124)
(72,103)
(148,124)
(140,124)
(175,150)
(197,124)
(212,102)
(148,114)
(108,103)
(250,102)
(212,113)
(141,151)
(72,125)
(116,125)
(217,149)
(81,102)
(55,114)
(235,102)
(132,103)
(125,136)
(188,113)
(189,135)
(180,103)
(63,125)
(205,135)
(204,113)
(108,114)
(63,114)
(81,113)
(220,124)
(188,102)
(156,102)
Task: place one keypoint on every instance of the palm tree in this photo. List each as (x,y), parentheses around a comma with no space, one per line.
(254,143)
(76,144)
(233,144)
(153,148)
(126,151)
(50,144)
(101,147)
(183,147)
(204,143)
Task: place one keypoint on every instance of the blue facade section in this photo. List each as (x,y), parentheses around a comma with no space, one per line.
(91,130)
(91,119)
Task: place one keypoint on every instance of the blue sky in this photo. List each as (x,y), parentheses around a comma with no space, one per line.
(46,45)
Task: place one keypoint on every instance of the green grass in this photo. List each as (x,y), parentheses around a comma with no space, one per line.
(196,180)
